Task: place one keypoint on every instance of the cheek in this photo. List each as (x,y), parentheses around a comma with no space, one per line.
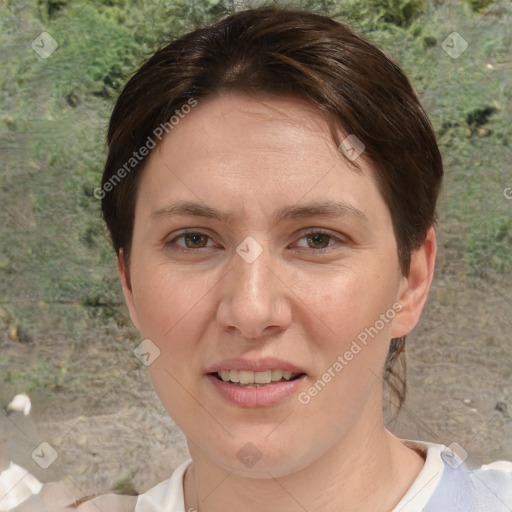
(173,310)
(165,300)
(354,346)
(346,303)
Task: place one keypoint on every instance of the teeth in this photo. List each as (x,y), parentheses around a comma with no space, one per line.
(277,374)
(245,377)
(262,377)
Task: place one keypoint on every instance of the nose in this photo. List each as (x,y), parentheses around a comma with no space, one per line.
(255,299)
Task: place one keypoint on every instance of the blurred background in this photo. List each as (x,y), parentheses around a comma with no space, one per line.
(65,335)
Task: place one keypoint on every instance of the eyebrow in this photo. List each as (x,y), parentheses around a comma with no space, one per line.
(332,209)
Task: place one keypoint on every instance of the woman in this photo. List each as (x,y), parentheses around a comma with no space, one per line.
(270,190)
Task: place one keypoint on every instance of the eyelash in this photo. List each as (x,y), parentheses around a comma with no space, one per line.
(171,243)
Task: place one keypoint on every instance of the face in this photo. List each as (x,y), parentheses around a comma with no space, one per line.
(258,254)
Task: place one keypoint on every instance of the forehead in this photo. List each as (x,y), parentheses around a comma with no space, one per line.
(238,126)
(263,150)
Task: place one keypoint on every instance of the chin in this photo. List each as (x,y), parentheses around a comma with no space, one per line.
(260,457)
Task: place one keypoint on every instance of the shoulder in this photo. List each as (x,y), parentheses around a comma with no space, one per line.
(449,482)
(167,495)
(474,489)
(493,486)
(461,487)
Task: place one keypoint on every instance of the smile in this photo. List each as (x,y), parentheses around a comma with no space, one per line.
(255,379)
(249,393)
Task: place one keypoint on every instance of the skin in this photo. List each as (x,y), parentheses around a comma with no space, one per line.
(250,157)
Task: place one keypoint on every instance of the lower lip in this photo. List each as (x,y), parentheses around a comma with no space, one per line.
(255,397)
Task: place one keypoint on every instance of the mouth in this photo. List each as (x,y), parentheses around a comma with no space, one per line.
(260,379)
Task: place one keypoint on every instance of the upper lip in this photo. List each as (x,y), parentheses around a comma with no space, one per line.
(254,365)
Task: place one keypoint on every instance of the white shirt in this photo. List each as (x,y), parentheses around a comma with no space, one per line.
(444,484)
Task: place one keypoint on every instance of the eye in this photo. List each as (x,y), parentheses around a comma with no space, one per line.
(192,239)
(320,240)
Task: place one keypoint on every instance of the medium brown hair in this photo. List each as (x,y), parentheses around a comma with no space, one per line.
(287,52)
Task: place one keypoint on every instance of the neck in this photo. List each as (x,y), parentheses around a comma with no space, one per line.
(367,470)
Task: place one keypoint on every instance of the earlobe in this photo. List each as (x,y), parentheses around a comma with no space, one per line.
(124,275)
(415,286)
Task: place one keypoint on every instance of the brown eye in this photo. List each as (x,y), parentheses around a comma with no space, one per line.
(194,240)
(319,240)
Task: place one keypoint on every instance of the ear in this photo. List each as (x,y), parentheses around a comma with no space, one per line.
(127,287)
(414,287)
